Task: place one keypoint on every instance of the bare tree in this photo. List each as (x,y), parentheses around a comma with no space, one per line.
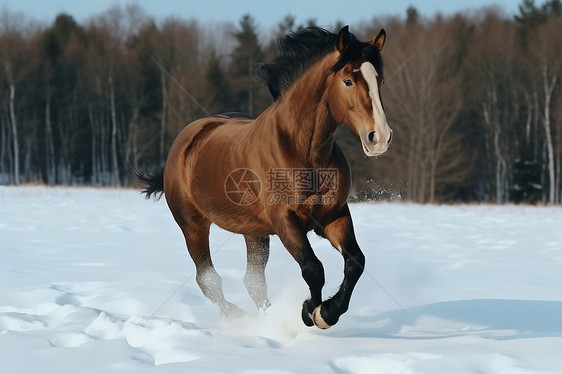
(181,64)
(494,70)
(13,64)
(118,24)
(548,63)
(426,97)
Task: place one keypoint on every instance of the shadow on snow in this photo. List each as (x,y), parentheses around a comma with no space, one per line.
(490,318)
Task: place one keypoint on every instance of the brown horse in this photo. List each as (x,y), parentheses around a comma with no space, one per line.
(282,173)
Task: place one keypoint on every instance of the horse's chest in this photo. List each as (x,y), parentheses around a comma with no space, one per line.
(316,207)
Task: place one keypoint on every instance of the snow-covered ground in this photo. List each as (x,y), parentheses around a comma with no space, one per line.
(99,281)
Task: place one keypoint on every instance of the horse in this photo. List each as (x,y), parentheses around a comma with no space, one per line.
(282,173)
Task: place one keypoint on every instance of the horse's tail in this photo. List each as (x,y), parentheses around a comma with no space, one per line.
(153,181)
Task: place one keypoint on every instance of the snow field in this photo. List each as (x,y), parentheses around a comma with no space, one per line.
(99,281)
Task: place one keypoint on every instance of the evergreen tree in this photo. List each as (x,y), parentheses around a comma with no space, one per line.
(244,57)
(530,16)
(288,24)
(553,8)
(146,72)
(217,86)
(61,48)
(412,15)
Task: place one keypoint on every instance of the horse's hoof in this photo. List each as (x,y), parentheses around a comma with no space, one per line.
(306,315)
(265,305)
(319,320)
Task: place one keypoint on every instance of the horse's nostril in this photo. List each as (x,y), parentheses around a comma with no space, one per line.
(389,139)
(371,137)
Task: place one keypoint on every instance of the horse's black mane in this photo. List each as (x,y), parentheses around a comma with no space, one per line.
(300,50)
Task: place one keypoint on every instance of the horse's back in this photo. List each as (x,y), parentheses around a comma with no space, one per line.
(235,115)
(197,132)
(200,162)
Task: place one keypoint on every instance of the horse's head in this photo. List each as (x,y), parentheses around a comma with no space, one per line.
(354,90)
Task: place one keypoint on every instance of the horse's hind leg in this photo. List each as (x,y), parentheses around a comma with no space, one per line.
(258,254)
(196,233)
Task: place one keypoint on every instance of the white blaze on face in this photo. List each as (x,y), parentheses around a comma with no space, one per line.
(382,131)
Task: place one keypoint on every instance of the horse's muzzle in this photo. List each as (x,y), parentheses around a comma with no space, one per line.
(376,143)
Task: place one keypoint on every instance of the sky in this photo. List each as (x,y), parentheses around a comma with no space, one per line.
(267,13)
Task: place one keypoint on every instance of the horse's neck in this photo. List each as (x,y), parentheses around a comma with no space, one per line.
(303,113)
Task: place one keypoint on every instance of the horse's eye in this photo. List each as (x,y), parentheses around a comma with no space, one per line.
(348,82)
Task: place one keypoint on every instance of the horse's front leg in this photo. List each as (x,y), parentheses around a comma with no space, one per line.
(340,233)
(290,230)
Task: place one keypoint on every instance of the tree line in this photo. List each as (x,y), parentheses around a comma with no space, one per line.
(473,99)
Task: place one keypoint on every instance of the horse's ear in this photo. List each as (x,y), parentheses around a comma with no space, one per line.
(343,38)
(378,41)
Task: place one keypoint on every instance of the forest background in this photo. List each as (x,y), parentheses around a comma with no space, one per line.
(474,99)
